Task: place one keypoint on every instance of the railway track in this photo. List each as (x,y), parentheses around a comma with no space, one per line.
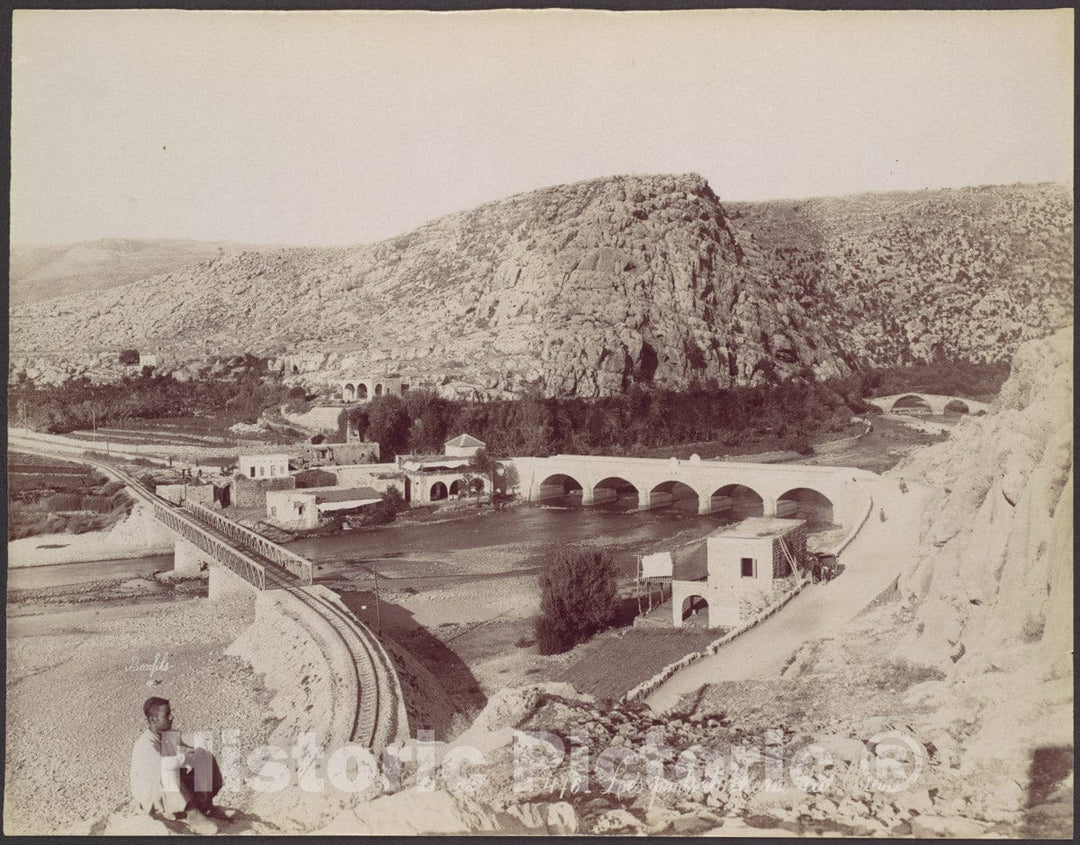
(371,685)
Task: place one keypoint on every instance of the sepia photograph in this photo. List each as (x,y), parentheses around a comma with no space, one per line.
(540,422)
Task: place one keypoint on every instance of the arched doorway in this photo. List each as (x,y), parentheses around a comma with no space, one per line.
(804,503)
(737,501)
(361,391)
(913,405)
(456,487)
(348,393)
(674,495)
(378,390)
(477,486)
(616,494)
(695,612)
(438,492)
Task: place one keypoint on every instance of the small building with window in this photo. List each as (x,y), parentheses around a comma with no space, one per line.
(748,565)
(262,467)
(302,509)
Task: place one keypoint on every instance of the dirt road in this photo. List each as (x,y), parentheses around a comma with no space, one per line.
(871,562)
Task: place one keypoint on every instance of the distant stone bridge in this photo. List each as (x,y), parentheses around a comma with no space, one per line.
(782,489)
(931,403)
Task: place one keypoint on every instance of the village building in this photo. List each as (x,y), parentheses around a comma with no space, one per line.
(302,509)
(435,478)
(318,452)
(748,565)
(463,446)
(263,466)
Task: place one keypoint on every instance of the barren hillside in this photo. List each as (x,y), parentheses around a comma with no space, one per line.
(588,288)
(37,273)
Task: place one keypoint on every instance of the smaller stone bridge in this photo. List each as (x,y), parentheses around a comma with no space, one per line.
(928,403)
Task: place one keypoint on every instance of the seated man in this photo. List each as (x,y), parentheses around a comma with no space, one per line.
(169,777)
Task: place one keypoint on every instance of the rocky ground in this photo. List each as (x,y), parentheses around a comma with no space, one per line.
(76,680)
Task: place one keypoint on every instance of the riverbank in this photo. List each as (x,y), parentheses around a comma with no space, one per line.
(137,535)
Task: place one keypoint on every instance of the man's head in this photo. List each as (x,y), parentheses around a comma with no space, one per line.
(158,715)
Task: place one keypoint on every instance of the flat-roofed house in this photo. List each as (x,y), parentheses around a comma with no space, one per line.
(749,564)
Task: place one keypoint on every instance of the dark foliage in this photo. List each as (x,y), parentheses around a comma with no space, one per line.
(578,598)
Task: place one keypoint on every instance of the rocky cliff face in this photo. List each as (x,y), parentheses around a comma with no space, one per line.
(586,289)
(995,578)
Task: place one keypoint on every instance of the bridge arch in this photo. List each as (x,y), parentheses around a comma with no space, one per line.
(741,501)
(675,494)
(957,406)
(621,493)
(909,403)
(695,608)
(806,503)
(559,486)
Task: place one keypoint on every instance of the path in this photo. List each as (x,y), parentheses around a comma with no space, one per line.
(871,561)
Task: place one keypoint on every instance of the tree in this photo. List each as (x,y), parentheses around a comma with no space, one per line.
(578,598)
(388,425)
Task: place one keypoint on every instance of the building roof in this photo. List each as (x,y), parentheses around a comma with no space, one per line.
(344,494)
(464,440)
(759,526)
(437,462)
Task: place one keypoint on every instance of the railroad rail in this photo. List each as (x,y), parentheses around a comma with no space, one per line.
(371,683)
(299,567)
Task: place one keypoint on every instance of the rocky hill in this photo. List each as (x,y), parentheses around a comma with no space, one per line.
(37,273)
(588,288)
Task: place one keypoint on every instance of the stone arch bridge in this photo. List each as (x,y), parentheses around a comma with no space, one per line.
(931,403)
(782,488)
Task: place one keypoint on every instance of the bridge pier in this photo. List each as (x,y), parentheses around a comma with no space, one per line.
(189,559)
(224,583)
(651,501)
(598,496)
(768,506)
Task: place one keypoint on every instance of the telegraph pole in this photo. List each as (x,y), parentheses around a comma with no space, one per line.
(378,605)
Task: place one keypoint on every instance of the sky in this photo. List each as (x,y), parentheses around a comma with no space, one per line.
(335,128)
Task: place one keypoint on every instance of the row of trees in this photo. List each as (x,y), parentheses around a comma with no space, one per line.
(642,419)
(79,404)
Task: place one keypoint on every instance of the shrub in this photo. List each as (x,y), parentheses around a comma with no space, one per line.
(578,598)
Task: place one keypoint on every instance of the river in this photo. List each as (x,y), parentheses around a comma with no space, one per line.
(491,544)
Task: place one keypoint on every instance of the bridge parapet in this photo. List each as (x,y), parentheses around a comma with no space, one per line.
(289,561)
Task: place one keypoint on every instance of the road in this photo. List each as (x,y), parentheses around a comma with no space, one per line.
(872,561)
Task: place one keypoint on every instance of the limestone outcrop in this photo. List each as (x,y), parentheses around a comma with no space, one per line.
(587,289)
